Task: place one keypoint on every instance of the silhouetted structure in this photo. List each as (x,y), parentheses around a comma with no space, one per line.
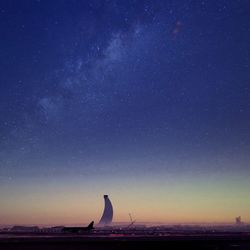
(24,229)
(107,215)
(238,221)
(132,222)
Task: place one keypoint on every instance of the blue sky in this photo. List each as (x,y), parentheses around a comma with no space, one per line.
(137,91)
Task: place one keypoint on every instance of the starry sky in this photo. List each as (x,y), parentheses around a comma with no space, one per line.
(147,101)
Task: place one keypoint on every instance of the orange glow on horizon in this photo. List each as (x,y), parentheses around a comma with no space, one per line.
(190,202)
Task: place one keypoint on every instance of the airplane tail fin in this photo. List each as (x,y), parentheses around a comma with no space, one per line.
(91,225)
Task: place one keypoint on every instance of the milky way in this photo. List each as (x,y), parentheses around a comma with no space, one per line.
(127,97)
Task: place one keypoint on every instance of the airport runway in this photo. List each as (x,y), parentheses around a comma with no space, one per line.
(115,241)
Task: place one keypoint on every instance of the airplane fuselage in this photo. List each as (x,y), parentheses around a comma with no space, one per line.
(78,229)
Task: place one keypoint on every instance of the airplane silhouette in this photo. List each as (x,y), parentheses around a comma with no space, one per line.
(78,229)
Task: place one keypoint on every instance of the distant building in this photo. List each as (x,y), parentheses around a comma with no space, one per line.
(56,229)
(107,215)
(24,229)
(238,221)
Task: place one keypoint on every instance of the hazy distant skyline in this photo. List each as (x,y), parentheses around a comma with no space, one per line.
(147,101)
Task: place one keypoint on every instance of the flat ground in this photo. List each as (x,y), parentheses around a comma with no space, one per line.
(90,242)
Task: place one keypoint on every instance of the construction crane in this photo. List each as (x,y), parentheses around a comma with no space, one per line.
(132,222)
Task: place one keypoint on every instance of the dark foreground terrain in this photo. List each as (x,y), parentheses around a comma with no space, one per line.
(93,242)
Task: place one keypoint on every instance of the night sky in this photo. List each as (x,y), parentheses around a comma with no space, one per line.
(147,101)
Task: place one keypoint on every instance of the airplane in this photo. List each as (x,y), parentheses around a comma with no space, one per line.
(78,229)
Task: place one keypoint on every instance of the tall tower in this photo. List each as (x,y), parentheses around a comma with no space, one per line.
(107,215)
